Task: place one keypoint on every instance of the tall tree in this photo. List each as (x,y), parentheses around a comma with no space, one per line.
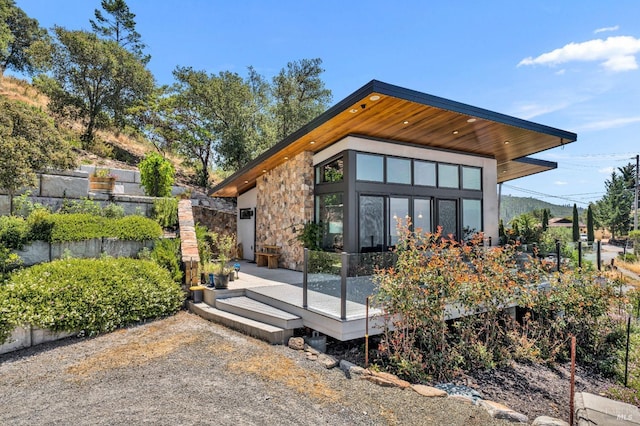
(614,208)
(19,35)
(87,73)
(119,25)
(299,94)
(545,219)
(29,142)
(575,222)
(590,225)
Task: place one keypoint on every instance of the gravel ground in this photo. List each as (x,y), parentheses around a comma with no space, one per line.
(185,370)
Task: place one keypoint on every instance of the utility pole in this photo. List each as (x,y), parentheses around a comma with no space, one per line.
(635,215)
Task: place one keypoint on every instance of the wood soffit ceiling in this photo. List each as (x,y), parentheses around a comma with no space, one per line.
(382,111)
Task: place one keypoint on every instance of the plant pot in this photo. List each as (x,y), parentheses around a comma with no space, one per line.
(212,281)
(232,276)
(222,281)
(101,184)
(196,293)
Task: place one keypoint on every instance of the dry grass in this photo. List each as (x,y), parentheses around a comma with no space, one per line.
(633,267)
(283,370)
(20,90)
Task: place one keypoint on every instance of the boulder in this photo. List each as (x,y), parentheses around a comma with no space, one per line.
(428,391)
(548,421)
(327,361)
(296,343)
(386,380)
(500,411)
(351,369)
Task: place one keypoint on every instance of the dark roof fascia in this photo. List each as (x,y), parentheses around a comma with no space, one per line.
(537,162)
(406,94)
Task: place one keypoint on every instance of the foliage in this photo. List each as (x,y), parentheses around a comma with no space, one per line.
(29,142)
(204,249)
(21,34)
(545,219)
(90,296)
(224,245)
(14,232)
(134,228)
(575,224)
(435,277)
(156,175)
(524,229)
(310,235)
(9,261)
(635,237)
(165,212)
(590,225)
(614,208)
(511,207)
(82,206)
(300,95)
(82,226)
(166,253)
(112,211)
(628,257)
(120,27)
(23,206)
(322,262)
(547,241)
(92,80)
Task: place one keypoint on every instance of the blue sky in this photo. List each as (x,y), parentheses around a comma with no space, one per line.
(569,64)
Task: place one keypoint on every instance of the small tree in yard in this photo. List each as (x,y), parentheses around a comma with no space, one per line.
(591,237)
(576,224)
(157,175)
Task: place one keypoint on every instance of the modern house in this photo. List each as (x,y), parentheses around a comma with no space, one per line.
(382,154)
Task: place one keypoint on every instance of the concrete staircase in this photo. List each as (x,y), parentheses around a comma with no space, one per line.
(233,309)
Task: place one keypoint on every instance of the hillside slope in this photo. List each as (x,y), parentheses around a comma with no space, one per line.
(511,206)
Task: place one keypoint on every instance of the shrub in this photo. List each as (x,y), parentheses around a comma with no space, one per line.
(628,257)
(85,205)
(156,175)
(135,228)
(165,212)
(14,231)
(40,225)
(90,296)
(8,262)
(77,227)
(112,211)
(166,253)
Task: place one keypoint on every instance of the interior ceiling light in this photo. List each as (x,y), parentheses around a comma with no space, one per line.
(455,132)
(246,181)
(312,142)
(374,98)
(471,120)
(286,158)
(405,122)
(264,170)
(506,142)
(353,110)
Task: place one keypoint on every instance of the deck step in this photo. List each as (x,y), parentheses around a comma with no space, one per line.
(258,311)
(267,332)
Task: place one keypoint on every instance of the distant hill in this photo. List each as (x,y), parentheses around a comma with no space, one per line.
(511,207)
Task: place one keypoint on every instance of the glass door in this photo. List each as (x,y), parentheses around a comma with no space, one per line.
(422,215)
(371,226)
(448,217)
(398,214)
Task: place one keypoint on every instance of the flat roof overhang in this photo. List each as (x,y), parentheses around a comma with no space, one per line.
(384,111)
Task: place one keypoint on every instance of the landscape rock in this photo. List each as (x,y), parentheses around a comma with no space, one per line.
(428,391)
(311,349)
(350,369)
(548,421)
(296,343)
(460,390)
(327,361)
(311,357)
(500,411)
(386,380)
(463,398)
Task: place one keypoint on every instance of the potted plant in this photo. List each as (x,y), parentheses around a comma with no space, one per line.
(224,245)
(101,180)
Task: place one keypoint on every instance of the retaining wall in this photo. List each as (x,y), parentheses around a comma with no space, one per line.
(27,336)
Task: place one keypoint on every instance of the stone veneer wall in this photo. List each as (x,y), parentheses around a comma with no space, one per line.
(285,201)
(216,220)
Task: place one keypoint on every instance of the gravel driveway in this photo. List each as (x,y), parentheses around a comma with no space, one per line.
(185,370)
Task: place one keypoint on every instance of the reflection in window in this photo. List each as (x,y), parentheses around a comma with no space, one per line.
(398,170)
(398,215)
(332,172)
(422,215)
(448,217)
(471,178)
(471,218)
(448,176)
(371,223)
(424,173)
(329,212)
(370,167)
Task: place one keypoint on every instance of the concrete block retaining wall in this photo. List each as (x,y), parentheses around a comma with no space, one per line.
(27,336)
(41,251)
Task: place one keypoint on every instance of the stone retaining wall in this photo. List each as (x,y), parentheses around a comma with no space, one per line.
(27,336)
(188,243)
(284,203)
(216,220)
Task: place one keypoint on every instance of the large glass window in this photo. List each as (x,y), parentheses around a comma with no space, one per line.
(471,218)
(329,212)
(424,173)
(448,176)
(370,167)
(448,217)
(398,170)
(422,215)
(371,223)
(330,172)
(471,178)
(398,215)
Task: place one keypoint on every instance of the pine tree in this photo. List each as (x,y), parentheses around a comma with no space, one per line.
(545,219)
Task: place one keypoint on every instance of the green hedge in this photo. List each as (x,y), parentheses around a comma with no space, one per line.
(90,296)
(55,228)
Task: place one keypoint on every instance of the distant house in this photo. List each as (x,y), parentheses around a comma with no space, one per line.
(562,222)
(383,153)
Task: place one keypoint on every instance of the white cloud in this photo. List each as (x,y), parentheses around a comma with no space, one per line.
(609,124)
(561,72)
(616,54)
(560,182)
(531,110)
(606,170)
(606,29)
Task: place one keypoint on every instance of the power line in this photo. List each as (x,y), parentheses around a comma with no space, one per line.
(541,194)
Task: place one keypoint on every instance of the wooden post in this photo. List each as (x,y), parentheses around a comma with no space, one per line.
(573,378)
